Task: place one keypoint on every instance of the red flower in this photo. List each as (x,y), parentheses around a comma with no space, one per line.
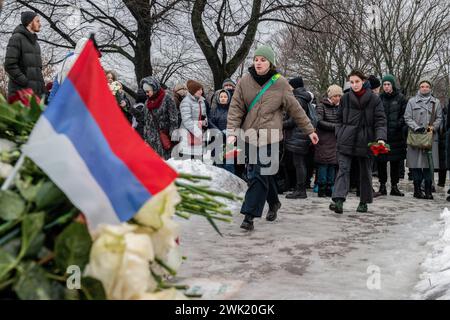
(379,148)
(24,96)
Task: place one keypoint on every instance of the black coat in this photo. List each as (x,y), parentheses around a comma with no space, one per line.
(361,121)
(328,118)
(218,117)
(394,108)
(295,140)
(23,62)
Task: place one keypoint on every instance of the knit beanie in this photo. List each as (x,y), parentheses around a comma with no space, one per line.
(374,82)
(193,86)
(26,17)
(334,90)
(389,78)
(296,82)
(267,53)
(229,82)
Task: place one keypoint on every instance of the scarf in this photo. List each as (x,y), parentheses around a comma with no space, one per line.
(261,80)
(155,101)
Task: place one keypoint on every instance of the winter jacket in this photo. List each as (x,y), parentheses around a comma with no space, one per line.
(23,62)
(192,110)
(267,114)
(149,122)
(328,119)
(295,139)
(361,121)
(418,114)
(394,107)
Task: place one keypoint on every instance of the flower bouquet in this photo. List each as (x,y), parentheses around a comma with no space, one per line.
(379,148)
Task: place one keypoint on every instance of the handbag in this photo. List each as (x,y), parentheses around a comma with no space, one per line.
(423,141)
(192,139)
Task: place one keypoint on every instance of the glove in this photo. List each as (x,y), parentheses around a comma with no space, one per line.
(420,130)
(141,96)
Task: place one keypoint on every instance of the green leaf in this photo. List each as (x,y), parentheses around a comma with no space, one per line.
(7,263)
(27,190)
(73,246)
(36,246)
(49,196)
(32,225)
(33,284)
(92,289)
(12,206)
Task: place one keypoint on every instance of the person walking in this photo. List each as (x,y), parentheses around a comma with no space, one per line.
(256,116)
(423,114)
(394,103)
(361,121)
(325,150)
(23,61)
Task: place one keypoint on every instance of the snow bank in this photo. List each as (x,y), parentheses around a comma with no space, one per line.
(222,180)
(435,280)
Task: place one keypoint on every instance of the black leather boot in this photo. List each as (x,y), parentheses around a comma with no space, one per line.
(322,193)
(418,194)
(396,192)
(300,193)
(272,213)
(381,192)
(428,190)
(247,224)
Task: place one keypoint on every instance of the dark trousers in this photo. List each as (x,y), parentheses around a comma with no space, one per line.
(261,187)
(342,182)
(395,171)
(301,171)
(421,174)
(326,174)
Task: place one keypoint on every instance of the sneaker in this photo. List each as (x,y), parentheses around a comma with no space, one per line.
(337,206)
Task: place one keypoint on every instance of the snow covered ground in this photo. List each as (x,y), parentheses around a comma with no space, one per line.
(435,283)
(311,253)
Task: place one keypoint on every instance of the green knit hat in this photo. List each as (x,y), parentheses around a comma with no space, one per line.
(390,78)
(267,53)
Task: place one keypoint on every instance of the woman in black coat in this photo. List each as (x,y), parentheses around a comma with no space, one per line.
(361,120)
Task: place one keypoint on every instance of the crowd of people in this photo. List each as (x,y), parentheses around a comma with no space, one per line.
(321,141)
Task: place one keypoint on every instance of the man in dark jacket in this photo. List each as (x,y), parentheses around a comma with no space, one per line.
(394,107)
(23,61)
(297,142)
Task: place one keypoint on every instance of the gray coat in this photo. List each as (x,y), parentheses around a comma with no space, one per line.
(417,114)
(191,109)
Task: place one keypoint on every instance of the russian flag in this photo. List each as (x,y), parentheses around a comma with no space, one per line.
(86,146)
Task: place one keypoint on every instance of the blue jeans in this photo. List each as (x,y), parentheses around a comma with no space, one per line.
(326,174)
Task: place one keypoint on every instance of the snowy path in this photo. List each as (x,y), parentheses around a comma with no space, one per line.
(311,253)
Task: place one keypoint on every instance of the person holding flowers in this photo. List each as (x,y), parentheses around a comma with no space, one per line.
(361,121)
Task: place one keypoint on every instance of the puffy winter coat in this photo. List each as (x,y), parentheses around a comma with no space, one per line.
(295,139)
(361,121)
(23,62)
(328,119)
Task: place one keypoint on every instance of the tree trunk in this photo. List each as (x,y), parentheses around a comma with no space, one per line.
(142,63)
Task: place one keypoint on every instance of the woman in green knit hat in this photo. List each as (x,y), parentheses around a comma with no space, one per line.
(256,116)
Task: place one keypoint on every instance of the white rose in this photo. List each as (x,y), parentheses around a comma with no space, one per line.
(120,259)
(5,170)
(159,207)
(6,145)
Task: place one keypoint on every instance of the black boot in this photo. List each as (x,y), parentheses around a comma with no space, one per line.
(272,214)
(322,193)
(428,190)
(300,193)
(396,192)
(418,191)
(247,224)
